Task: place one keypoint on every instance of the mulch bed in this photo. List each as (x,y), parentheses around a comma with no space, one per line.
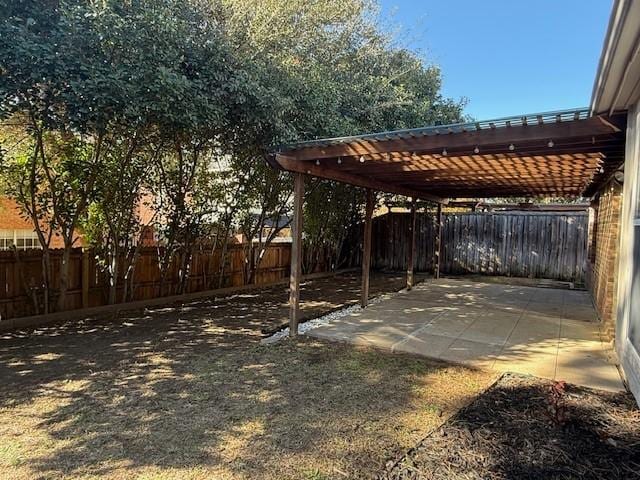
(523,428)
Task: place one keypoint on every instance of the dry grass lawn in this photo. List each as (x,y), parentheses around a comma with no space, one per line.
(190,393)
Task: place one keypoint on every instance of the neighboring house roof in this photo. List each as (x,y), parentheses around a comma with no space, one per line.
(616,86)
(282,222)
(11,217)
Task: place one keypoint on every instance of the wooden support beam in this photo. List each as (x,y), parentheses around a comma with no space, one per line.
(321,171)
(438,246)
(366,248)
(296,255)
(412,245)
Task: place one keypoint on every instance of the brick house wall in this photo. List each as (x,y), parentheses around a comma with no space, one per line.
(604,252)
(12,221)
(10,216)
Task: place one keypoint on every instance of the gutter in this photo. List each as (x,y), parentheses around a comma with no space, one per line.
(625,74)
(611,40)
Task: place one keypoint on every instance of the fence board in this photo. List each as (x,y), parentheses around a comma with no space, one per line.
(22,275)
(520,244)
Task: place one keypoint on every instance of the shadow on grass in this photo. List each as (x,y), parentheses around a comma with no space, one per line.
(191,390)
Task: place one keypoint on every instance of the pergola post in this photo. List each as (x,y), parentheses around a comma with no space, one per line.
(296,254)
(436,266)
(366,250)
(412,245)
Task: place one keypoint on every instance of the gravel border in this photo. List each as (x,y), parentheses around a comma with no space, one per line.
(325,319)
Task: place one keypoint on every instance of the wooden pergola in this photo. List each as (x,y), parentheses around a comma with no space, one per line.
(556,154)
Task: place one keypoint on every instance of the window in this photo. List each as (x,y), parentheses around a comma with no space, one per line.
(5,243)
(22,239)
(7,239)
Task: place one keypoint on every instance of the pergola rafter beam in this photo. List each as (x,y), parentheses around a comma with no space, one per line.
(292,165)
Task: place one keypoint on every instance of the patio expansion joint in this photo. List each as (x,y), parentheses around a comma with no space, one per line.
(506,340)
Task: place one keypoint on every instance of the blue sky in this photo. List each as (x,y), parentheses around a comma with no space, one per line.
(507,56)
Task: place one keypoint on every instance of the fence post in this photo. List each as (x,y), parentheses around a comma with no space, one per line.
(438,243)
(85,278)
(412,245)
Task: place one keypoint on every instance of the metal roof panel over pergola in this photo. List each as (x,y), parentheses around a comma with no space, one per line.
(567,153)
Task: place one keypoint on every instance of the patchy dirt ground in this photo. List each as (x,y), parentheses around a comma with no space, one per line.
(188,392)
(516,430)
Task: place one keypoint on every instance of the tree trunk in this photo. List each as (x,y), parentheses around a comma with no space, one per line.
(23,282)
(248,263)
(253,266)
(256,262)
(165,261)
(223,257)
(46,279)
(127,283)
(64,277)
(185,266)
(113,275)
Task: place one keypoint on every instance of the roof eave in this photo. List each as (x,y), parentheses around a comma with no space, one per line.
(615,86)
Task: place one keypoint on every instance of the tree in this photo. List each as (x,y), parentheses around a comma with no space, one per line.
(21,177)
(322,69)
(266,195)
(180,216)
(332,212)
(218,190)
(114,226)
(52,179)
(171,87)
(88,77)
(37,90)
(69,168)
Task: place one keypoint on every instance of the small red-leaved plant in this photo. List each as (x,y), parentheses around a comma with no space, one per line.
(556,405)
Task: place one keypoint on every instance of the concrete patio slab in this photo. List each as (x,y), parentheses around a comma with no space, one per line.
(535,330)
(479,354)
(421,342)
(579,312)
(450,324)
(491,329)
(549,309)
(545,332)
(537,362)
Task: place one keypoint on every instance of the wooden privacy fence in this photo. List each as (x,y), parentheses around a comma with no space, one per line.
(519,244)
(21,277)
(523,244)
